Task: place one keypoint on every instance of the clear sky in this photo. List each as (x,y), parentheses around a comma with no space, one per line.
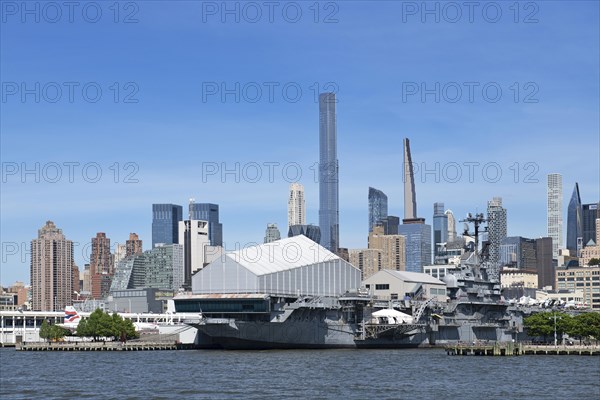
(171,94)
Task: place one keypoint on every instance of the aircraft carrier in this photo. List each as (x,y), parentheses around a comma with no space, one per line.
(474,311)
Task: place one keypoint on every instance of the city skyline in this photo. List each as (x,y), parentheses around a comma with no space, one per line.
(146,155)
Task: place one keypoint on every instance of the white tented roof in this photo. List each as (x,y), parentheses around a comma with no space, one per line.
(416,277)
(281,255)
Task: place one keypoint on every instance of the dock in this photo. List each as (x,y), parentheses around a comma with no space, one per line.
(102,346)
(519,349)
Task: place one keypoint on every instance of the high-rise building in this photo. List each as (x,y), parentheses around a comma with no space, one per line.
(161,268)
(440,228)
(165,223)
(590,212)
(296,205)
(393,248)
(497,231)
(544,264)
(518,252)
(272,233)
(312,232)
(119,254)
(390,224)
(575,223)
(413,228)
(208,212)
(76,285)
(87,280)
(410,196)
(555,212)
(193,235)
(451,226)
(592,251)
(133,246)
(328,173)
(378,207)
(369,261)
(418,245)
(51,270)
(101,266)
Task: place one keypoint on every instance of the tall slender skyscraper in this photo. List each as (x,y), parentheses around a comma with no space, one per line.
(440,227)
(497,230)
(574,222)
(296,205)
(51,270)
(165,223)
(555,212)
(208,212)
(416,231)
(410,196)
(328,173)
(378,207)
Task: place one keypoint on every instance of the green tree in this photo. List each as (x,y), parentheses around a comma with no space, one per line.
(124,328)
(52,332)
(586,326)
(45,330)
(542,324)
(594,261)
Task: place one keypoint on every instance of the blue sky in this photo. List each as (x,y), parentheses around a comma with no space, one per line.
(157,113)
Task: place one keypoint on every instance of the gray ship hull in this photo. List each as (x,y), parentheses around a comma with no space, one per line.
(296,335)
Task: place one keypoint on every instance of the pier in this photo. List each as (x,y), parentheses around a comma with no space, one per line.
(100,346)
(519,349)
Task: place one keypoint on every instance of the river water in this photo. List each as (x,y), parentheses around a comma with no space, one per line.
(333,374)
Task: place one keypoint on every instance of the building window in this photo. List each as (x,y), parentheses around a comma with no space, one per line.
(382,286)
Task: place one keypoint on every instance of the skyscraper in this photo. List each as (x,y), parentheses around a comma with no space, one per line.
(133,245)
(410,196)
(272,233)
(393,248)
(208,212)
(194,236)
(328,173)
(390,224)
(417,233)
(451,226)
(589,214)
(378,207)
(440,227)
(555,212)
(165,223)
(101,265)
(497,231)
(296,205)
(418,245)
(51,270)
(574,222)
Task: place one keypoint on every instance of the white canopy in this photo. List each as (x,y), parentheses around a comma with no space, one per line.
(392,315)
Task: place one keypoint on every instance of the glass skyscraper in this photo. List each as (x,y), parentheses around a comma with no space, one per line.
(418,245)
(165,223)
(574,221)
(440,227)
(497,232)
(589,214)
(555,212)
(209,212)
(378,207)
(328,174)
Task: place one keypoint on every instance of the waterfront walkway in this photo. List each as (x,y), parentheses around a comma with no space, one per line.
(518,349)
(102,346)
